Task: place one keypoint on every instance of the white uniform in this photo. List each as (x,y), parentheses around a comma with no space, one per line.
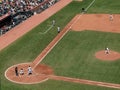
(53,22)
(21,72)
(111,17)
(29,70)
(107,51)
(58,28)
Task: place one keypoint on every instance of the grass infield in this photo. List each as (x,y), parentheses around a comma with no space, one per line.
(74,54)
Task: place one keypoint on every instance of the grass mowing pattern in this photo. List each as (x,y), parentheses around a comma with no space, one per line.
(105,6)
(56,85)
(26,49)
(74,56)
(30,45)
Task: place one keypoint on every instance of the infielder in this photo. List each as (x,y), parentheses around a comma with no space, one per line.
(58,29)
(111,17)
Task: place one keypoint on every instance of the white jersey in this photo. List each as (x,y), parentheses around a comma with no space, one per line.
(107,49)
(29,69)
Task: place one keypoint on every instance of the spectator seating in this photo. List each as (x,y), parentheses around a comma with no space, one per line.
(13,12)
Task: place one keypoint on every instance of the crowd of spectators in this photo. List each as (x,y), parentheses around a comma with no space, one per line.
(14,6)
(20,10)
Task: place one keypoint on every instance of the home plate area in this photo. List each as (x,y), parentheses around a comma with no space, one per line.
(39,74)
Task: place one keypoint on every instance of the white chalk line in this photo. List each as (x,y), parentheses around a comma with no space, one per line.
(75,20)
(90,5)
(29,63)
(23,76)
(69,79)
(64,33)
(52,46)
(83,13)
(47,30)
(62,37)
(84,81)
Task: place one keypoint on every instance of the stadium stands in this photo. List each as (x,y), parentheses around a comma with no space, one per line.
(13,12)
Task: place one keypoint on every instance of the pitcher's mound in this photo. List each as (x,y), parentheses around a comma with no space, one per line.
(39,74)
(109,57)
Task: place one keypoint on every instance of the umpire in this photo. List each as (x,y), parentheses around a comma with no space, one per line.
(16,71)
(83,10)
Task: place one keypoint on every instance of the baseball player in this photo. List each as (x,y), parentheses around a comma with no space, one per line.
(53,22)
(107,51)
(21,72)
(111,17)
(83,10)
(29,70)
(58,29)
(16,71)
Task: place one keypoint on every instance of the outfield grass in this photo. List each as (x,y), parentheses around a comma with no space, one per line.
(105,6)
(30,45)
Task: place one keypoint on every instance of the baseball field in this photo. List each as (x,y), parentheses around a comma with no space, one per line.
(73,57)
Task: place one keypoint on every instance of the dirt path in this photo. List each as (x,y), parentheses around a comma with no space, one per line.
(83,81)
(27,25)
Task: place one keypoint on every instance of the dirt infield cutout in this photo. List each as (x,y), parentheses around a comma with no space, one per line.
(98,22)
(107,57)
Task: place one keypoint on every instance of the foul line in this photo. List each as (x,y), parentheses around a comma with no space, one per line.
(83,13)
(90,5)
(51,48)
(84,81)
(74,21)
(64,33)
(56,41)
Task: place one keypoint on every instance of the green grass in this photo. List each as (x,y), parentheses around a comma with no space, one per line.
(26,49)
(55,85)
(74,56)
(105,6)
